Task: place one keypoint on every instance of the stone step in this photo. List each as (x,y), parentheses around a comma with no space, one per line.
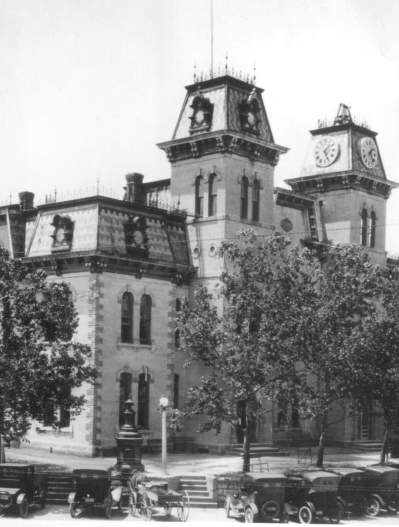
(204,505)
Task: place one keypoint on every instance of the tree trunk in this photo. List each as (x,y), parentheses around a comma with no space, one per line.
(320,450)
(246,449)
(385,444)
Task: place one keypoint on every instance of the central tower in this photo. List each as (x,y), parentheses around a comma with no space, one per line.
(223,156)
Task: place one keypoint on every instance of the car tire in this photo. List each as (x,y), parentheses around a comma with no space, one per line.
(373,507)
(108,506)
(23,508)
(227,508)
(305,514)
(249,515)
(393,505)
(74,510)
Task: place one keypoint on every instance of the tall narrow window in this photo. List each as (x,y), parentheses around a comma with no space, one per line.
(372,229)
(363,237)
(127,318)
(64,412)
(212,195)
(125,391)
(176,391)
(255,200)
(145,319)
(143,399)
(244,198)
(199,198)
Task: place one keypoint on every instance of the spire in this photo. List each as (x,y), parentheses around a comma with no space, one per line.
(343,115)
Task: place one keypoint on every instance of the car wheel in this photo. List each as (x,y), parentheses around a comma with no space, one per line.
(75,510)
(108,506)
(305,514)
(133,504)
(392,505)
(373,507)
(249,515)
(227,508)
(23,508)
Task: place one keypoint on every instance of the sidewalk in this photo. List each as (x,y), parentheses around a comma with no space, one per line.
(184,464)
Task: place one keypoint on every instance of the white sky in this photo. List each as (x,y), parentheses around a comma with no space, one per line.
(88,87)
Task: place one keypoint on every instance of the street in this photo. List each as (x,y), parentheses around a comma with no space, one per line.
(60,514)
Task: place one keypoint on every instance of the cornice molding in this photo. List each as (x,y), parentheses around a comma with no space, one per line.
(220,143)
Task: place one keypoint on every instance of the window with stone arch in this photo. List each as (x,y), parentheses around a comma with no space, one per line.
(145,319)
(212,195)
(244,198)
(363,228)
(373,225)
(143,400)
(199,197)
(255,200)
(127,317)
(125,392)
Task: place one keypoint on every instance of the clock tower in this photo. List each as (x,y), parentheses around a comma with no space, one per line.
(343,169)
(222,155)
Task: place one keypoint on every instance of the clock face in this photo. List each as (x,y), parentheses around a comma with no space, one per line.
(199,117)
(138,238)
(60,235)
(326,152)
(251,119)
(368,152)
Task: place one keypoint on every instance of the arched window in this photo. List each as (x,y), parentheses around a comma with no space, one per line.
(176,391)
(178,305)
(177,338)
(125,392)
(244,198)
(145,319)
(363,236)
(373,228)
(212,195)
(199,198)
(127,318)
(143,398)
(255,200)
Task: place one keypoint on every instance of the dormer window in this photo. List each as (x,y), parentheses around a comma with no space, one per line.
(201,118)
(63,233)
(249,110)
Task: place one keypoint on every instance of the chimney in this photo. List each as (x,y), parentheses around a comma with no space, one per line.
(26,200)
(134,191)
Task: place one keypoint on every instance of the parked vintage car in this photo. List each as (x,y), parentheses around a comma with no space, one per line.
(260,498)
(151,496)
(21,487)
(92,490)
(385,493)
(354,489)
(312,494)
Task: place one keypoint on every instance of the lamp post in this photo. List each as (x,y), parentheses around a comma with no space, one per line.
(164,403)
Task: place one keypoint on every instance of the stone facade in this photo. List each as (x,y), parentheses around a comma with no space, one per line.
(161,240)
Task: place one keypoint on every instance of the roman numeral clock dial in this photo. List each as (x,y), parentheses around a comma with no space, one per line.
(326,152)
(368,152)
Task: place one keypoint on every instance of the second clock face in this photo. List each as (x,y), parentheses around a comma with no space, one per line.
(368,152)
(326,152)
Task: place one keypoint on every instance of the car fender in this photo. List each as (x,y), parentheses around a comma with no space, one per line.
(20,498)
(379,498)
(341,501)
(252,506)
(71,497)
(311,506)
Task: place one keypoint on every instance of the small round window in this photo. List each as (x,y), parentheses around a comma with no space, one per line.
(286,224)
(212,250)
(196,253)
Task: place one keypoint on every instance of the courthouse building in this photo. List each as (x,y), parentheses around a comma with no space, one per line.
(131,261)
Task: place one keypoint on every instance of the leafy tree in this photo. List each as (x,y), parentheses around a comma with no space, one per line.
(244,336)
(39,362)
(346,303)
(373,356)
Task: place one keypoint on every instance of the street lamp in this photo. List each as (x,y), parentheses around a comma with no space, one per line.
(164,403)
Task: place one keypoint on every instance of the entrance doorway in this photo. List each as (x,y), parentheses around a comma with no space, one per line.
(365,423)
